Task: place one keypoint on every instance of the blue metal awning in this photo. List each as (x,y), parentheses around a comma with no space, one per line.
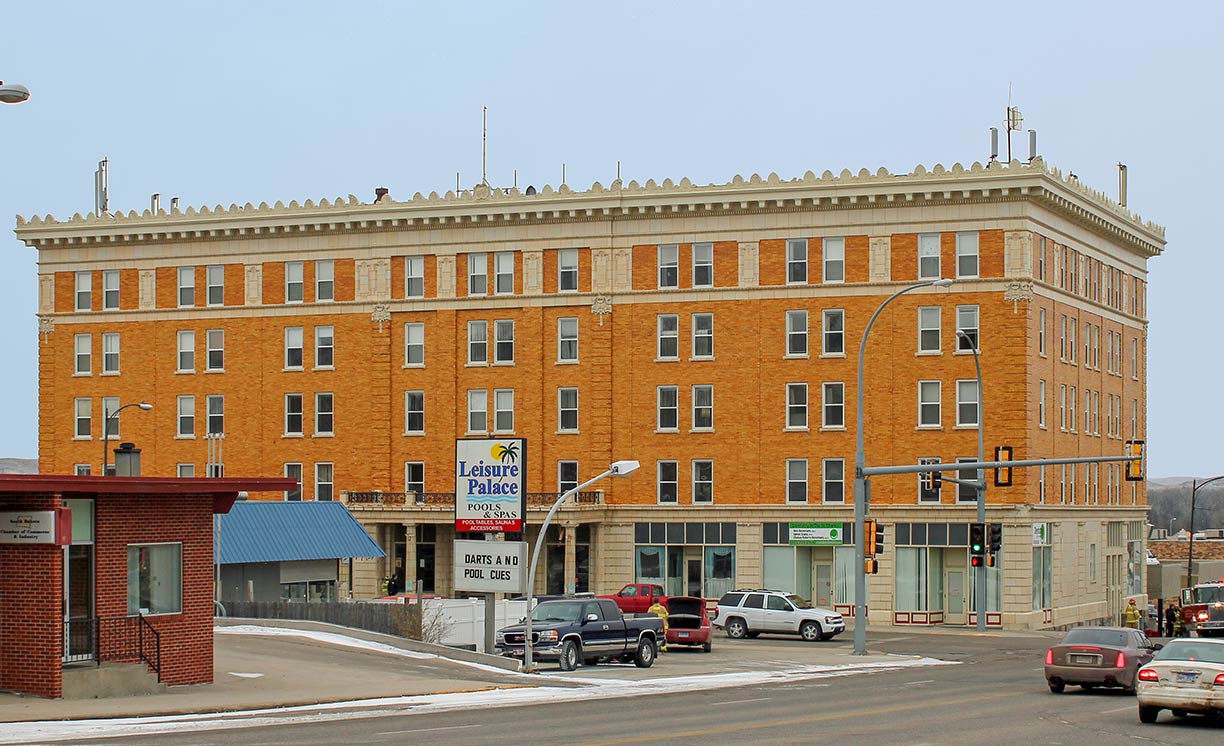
(258,531)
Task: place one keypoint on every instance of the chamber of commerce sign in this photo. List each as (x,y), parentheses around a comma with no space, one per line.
(490,484)
(31,527)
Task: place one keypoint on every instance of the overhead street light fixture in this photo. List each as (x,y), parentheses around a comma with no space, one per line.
(13,93)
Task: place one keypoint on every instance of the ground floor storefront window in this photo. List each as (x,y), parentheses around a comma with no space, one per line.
(687,559)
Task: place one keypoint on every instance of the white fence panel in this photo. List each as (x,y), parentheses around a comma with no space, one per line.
(465,618)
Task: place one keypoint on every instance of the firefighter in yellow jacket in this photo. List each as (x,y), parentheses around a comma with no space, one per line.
(659,610)
(1131,615)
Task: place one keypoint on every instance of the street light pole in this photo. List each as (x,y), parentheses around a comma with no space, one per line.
(1195,486)
(13,93)
(106,427)
(618,469)
(861,487)
(980,580)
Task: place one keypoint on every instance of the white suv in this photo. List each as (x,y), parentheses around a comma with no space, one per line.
(748,613)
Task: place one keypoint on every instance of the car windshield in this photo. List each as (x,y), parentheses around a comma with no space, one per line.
(1209,595)
(1111,637)
(1192,650)
(799,602)
(558,611)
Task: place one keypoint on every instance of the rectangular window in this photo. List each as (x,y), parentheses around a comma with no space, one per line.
(796,480)
(84,290)
(928,403)
(325,285)
(216,414)
(1071,409)
(834,405)
(966,493)
(567,340)
(478,410)
(414,477)
(669,266)
(1062,407)
(325,413)
(1041,400)
(967,409)
(414,411)
(1041,332)
(703,265)
(1088,347)
(967,321)
(928,256)
(414,344)
(293,414)
(83,350)
(1135,358)
(83,412)
(186,351)
(154,579)
(925,495)
(503,410)
(929,332)
(186,417)
(293,347)
(703,336)
(478,342)
(567,475)
(110,353)
(215,342)
(478,274)
(323,481)
(796,261)
(668,481)
(414,277)
(503,269)
(834,325)
(703,481)
(834,478)
(567,271)
(967,254)
(796,333)
(503,351)
(184,471)
(294,274)
(325,347)
(796,405)
(214,278)
(1062,339)
(703,407)
(669,407)
(110,290)
(835,260)
(567,410)
(186,286)
(669,336)
(294,471)
(110,405)
(1071,325)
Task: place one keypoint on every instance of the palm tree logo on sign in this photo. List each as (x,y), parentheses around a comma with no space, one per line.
(505,453)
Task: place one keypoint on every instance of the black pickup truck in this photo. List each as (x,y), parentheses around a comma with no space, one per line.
(584,630)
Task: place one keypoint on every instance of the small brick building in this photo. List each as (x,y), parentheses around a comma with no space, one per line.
(132,580)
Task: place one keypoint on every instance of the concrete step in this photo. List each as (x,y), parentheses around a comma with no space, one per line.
(87,681)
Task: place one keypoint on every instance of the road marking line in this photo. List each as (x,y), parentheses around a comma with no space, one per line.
(1119,709)
(742,701)
(427,730)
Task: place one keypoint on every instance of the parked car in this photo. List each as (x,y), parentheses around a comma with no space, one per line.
(748,613)
(636,598)
(1186,676)
(1089,657)
(574,631)
(688,623)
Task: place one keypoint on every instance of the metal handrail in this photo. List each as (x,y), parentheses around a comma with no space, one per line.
(155,664)
(117,639)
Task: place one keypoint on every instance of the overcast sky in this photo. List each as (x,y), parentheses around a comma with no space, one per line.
(230,102)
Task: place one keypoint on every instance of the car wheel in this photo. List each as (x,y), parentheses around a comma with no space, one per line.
(736,628)
(707,647)
(810,631)
(1058,688)
(570,655)
(1147,713)
(645,656)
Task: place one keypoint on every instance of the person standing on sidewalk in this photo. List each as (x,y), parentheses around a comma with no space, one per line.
(1172,612)
(659,610)
(1131,615)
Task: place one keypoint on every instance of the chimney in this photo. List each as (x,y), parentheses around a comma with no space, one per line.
(127,460)
(380,193)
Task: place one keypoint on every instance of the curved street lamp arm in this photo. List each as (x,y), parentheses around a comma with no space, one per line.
(1195,486)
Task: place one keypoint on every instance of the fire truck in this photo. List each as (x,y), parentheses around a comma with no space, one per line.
(1203,609)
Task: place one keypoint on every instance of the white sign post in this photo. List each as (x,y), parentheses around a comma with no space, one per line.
(490,566)
(491,485)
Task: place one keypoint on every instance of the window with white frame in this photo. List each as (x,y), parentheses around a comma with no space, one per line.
(414,477)
(1135,358)
(186,286)
(324,480)
(834,480)
(1095,412)
(325,413)
(414,411)
(294,471)
(703,336)
(293,347)
(967,254)
(110,353)
(796,333)
(216,413)
(1041,332)
(215,343)
(796,405)
(503,273)
(968,412)
(294,282)
(668,399)
(834,260)
(503,350)
(182,471)
(967,321)
(478,342)
(478,274)
(669,266)
(567,409)
(668,481)
(82,345)
(567,271)
(325,347)
(414,277)
(1041,485)
(703,481)
(834,405)
(567,339)
(503,410)
(1071,325)
(669,336)
(966,493)
(1071,409)
(567,475)
(1088,347)
(325,282)
(925,495)
(154,579)
(928,256)
(703,406)
(110,405)
(1062,339)
(929,331)
(478,410)
(186,351)
(83,414)
(703,265)
(110,290)
(1062,407)
(186,416)
(293,414)
(214,281)
(1041,403)
(84,290)
(796,480)
(796,261)
(834,326)
(414,344)
(929,403)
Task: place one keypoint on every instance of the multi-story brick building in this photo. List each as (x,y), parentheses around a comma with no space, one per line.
(709,332)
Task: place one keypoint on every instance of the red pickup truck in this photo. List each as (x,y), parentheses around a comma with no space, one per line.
(637,598)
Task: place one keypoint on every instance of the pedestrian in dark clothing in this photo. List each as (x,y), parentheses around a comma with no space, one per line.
(392,586)
(1171,615)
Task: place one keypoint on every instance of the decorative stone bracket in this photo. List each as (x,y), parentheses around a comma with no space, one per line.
(381,314)
(601,305)
(1017,291)
(46,325)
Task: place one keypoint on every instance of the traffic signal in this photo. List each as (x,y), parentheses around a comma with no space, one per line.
(869,537)
(976,560)
(931,483)
(977,543)
(1134,469)
(878,544)
(1003,474)
(996,537)
(871,566)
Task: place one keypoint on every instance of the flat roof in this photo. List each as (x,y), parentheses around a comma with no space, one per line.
(222,490)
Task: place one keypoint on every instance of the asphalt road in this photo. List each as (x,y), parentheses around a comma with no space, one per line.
(997,695)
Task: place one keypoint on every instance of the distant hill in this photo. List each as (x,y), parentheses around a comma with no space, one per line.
(18,466)
(1169,498)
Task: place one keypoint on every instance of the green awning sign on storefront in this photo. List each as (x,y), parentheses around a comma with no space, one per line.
(815,534)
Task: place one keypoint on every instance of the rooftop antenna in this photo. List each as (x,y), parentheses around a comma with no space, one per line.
(101,204)
(484,145)
(516,178)
(1012,121)
(562,173)
(1032,145)
(1121,183)
(618,170)
(456,183)
(994,146)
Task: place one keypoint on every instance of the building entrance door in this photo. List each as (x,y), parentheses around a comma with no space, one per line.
(694,578)
(425,567)
(954,600)
(823,586)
